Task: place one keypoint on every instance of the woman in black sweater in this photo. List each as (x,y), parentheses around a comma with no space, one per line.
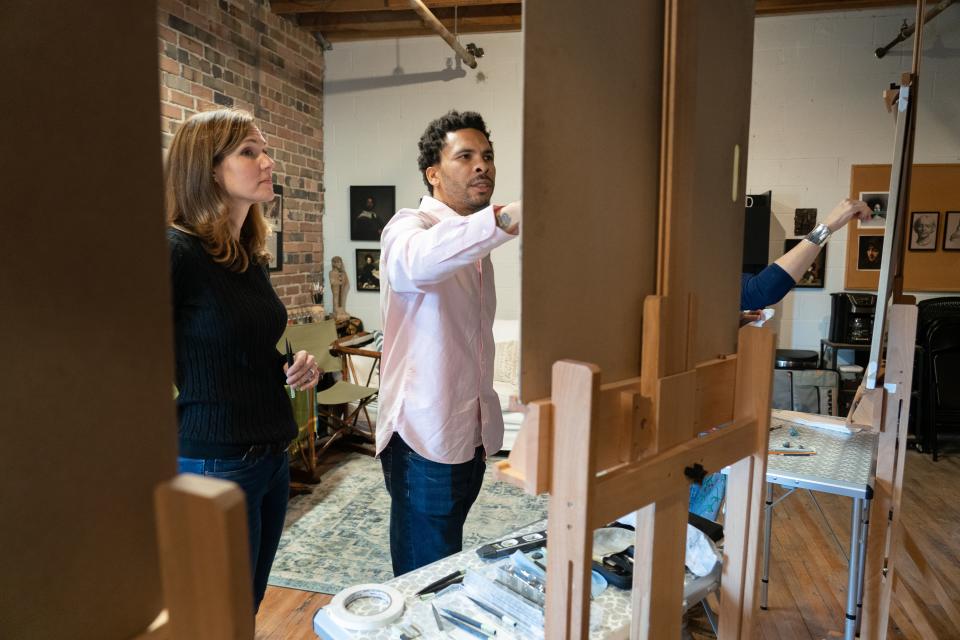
(235,420)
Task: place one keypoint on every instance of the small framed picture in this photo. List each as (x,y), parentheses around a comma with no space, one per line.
(370,210)
(368,269)
(813,277)
(273,214)
(804,220)
(951,231)
(923,230)
(869,253)
(877,201)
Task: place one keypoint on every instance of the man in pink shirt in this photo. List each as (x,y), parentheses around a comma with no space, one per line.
(439,416)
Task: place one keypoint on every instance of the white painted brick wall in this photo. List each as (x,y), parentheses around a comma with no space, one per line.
(816,111)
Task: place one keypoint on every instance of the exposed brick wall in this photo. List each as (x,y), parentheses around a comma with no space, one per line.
(237,53)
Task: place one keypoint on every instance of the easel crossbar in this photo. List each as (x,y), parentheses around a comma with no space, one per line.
(634,485)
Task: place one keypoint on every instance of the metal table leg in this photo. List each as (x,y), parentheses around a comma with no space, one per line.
(864,531)
(853,571)
(767,528)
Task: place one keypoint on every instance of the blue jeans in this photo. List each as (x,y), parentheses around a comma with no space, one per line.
(429,502)
(265,482)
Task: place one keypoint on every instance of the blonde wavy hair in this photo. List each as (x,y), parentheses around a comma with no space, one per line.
(197,203)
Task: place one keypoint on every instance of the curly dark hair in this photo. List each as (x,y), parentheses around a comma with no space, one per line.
(435,136)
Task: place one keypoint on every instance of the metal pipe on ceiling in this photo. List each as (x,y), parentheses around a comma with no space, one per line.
(431,21)
(907,30)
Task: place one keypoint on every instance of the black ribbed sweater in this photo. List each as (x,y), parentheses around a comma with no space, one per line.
(229,372)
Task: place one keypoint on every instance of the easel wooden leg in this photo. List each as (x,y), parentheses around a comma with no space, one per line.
(736,533)
(884,540)
(205,558)
(659,550)
(576,390)
(746,486)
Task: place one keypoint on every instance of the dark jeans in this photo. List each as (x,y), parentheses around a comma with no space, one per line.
(429,502)
(265,481)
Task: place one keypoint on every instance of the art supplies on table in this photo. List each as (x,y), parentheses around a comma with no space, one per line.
(444,582)
(364,607)
(791,448)
(816,421)
(507,546)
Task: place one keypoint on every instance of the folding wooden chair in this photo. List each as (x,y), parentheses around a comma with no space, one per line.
(349,348)
(340,405)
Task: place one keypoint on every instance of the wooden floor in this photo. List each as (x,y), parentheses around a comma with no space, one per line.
(808,568)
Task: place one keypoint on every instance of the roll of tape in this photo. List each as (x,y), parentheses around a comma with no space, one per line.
(390,597)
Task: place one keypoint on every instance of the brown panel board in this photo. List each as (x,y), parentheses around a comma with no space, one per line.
(933,187)
(592,86)
(715,244)
(88,426)
(710,47)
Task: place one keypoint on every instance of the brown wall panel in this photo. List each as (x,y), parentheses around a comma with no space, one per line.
(88,424)
(933,187)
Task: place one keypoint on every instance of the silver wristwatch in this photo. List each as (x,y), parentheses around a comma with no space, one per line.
(503,220)
(819,235)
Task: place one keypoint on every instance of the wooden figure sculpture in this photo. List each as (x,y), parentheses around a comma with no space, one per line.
(339,286)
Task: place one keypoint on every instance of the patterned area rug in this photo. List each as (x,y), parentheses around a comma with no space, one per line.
(338,535)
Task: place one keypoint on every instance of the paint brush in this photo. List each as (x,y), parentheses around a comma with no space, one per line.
(293,393)
(496,613)
(445,581)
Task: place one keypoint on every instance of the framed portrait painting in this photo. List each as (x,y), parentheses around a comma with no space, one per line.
(273,214)
(877,201)
(923,230)
(368,269)
(869,253)
(951,231)
(813,277)
(370,210)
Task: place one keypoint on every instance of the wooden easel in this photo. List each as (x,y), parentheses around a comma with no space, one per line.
(678,366)
(584,432)
(883,403)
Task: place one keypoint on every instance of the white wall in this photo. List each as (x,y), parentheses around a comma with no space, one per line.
(373,120)
(816,110)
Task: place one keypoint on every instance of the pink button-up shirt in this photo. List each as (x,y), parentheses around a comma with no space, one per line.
(437,302)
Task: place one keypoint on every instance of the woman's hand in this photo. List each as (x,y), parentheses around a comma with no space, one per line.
(304,372)
(746,317)
(846,211)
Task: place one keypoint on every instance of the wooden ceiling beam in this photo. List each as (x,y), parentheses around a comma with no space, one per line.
(323,21)
(352,35)
(347,32)
(346,6)
(351,20)
(780,7)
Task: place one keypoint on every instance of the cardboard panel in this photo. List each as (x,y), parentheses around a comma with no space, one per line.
(933,187)
(88,423)
(710,47)
(592,163)
(592,87)
(724,32)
